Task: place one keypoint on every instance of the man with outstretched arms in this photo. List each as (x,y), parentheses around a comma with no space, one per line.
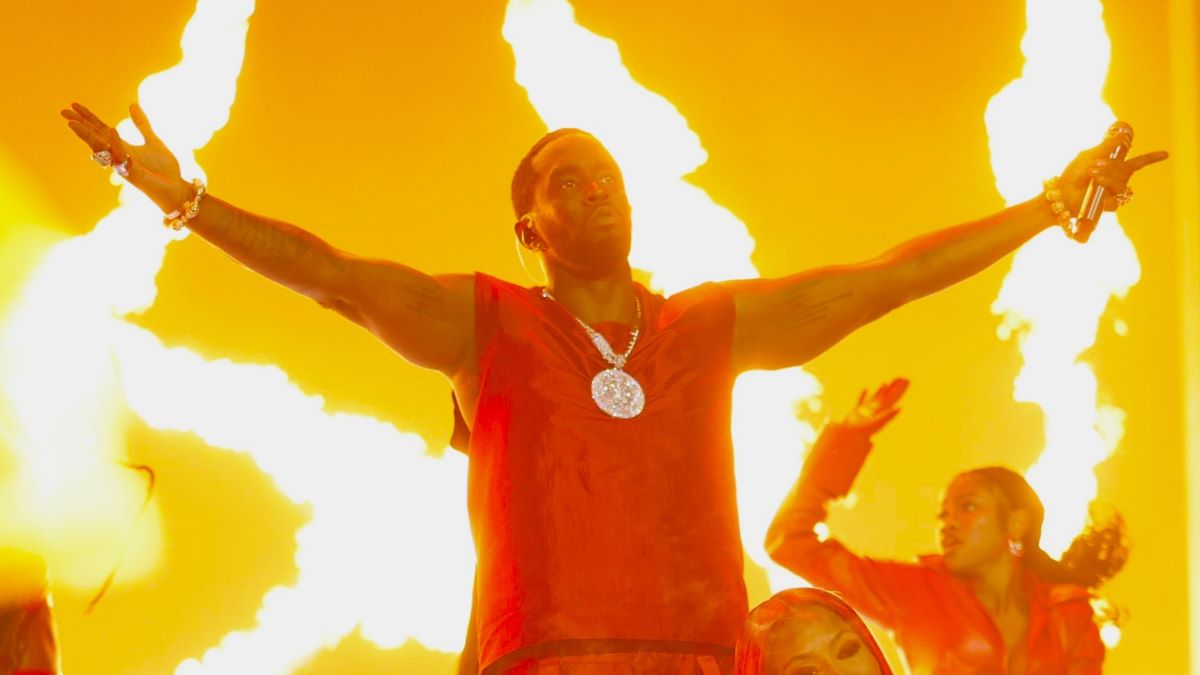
(601,488)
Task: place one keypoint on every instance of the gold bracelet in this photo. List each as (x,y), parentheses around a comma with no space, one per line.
(1053,194)
(180,217)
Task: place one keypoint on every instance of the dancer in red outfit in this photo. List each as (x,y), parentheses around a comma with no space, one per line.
(807,631)
(28,639)
(992,603)
(601,486)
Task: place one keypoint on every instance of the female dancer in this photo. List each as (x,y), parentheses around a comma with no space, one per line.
(807,631)
(992,602)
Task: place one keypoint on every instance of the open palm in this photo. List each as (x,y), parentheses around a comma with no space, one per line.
(877,409)
(152,156)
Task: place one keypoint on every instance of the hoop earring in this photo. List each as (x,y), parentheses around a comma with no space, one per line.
(1016,548)
(517,246)
(528,237)
(532,242)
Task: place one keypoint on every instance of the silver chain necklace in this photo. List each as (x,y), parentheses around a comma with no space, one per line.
(615,391)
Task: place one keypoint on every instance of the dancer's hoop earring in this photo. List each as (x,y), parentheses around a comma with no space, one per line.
(1016,548)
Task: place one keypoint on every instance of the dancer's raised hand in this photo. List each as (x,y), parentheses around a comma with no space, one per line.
(875,410)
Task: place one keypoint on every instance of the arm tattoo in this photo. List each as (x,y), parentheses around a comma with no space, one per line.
(805,305)
(426,300)
(274,241)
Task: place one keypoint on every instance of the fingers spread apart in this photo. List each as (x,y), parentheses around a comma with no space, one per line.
(142,123)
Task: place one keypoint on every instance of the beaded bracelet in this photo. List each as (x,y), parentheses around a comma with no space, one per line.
(1053,194)
(180,217)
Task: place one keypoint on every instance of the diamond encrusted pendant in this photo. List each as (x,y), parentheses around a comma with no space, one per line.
(615,391)
(618,394)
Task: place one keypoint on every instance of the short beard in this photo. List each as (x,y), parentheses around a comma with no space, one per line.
(602,261)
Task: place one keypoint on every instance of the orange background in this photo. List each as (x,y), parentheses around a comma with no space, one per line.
(834,131)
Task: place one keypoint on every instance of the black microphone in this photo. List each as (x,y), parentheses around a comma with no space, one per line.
(1093,199)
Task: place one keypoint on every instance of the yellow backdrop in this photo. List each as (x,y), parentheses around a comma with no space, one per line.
(834,130)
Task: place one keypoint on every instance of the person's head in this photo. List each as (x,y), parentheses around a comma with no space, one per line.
(987,516)
(807,631)
(570,203)
(992,516)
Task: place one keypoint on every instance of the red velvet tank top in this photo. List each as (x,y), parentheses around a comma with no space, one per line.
(592,528)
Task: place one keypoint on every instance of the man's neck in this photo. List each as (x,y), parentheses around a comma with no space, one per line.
(593,300)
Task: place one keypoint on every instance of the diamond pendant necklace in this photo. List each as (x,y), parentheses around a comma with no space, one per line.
(615,391)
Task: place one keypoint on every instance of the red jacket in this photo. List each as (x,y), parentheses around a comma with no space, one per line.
(935,617)
(28,640)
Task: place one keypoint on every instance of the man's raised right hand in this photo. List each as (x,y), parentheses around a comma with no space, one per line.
(153,169)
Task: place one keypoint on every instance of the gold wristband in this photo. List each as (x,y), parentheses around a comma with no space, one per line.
(1053,194)
(180,217)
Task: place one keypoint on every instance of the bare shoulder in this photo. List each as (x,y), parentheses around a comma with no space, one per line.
(428,319)
(785,321)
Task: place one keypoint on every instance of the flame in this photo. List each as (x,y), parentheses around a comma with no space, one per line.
(72,367)
(361,477)
(1057,291)
(575,78)
(1108,617)
(61,391)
